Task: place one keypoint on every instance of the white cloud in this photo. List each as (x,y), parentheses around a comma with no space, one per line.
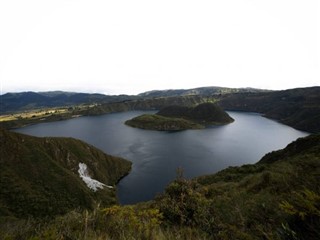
(133,46)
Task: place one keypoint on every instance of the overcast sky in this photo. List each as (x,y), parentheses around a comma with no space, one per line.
(133,46)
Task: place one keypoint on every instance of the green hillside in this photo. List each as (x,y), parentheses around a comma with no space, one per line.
(276,198)
(23,101)
(39,176)
(298,108)
(43,196)
(145,104)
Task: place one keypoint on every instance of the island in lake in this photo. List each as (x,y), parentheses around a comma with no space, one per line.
(176,118)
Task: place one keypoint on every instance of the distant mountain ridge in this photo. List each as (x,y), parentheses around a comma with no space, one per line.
(12,102)
(204,91)
(299,108)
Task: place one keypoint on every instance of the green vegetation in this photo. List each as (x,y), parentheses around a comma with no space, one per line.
(21,119)
(157,122)
(26,101)
(175,118)
(276,198)
(202,91)
(204,113)
(298,108)
(43,197)
(39,176)
(146,104)
(16,120)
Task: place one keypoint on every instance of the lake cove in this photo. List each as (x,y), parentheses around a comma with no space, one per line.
(157,155)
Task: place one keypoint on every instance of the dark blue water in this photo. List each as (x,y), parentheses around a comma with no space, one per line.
(157,155)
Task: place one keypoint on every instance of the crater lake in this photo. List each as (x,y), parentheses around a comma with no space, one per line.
(157,155)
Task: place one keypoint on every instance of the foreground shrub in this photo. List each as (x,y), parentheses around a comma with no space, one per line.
(126,222)
(304,215)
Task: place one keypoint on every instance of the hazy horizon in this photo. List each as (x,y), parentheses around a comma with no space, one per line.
(147,90)
(129,47)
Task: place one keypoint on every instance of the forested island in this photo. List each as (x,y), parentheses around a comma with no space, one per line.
(175,118)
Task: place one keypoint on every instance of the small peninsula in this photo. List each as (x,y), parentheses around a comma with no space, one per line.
(176,118)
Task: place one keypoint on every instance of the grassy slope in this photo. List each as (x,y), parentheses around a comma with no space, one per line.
(299,108)
(277,198)
(39,176)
